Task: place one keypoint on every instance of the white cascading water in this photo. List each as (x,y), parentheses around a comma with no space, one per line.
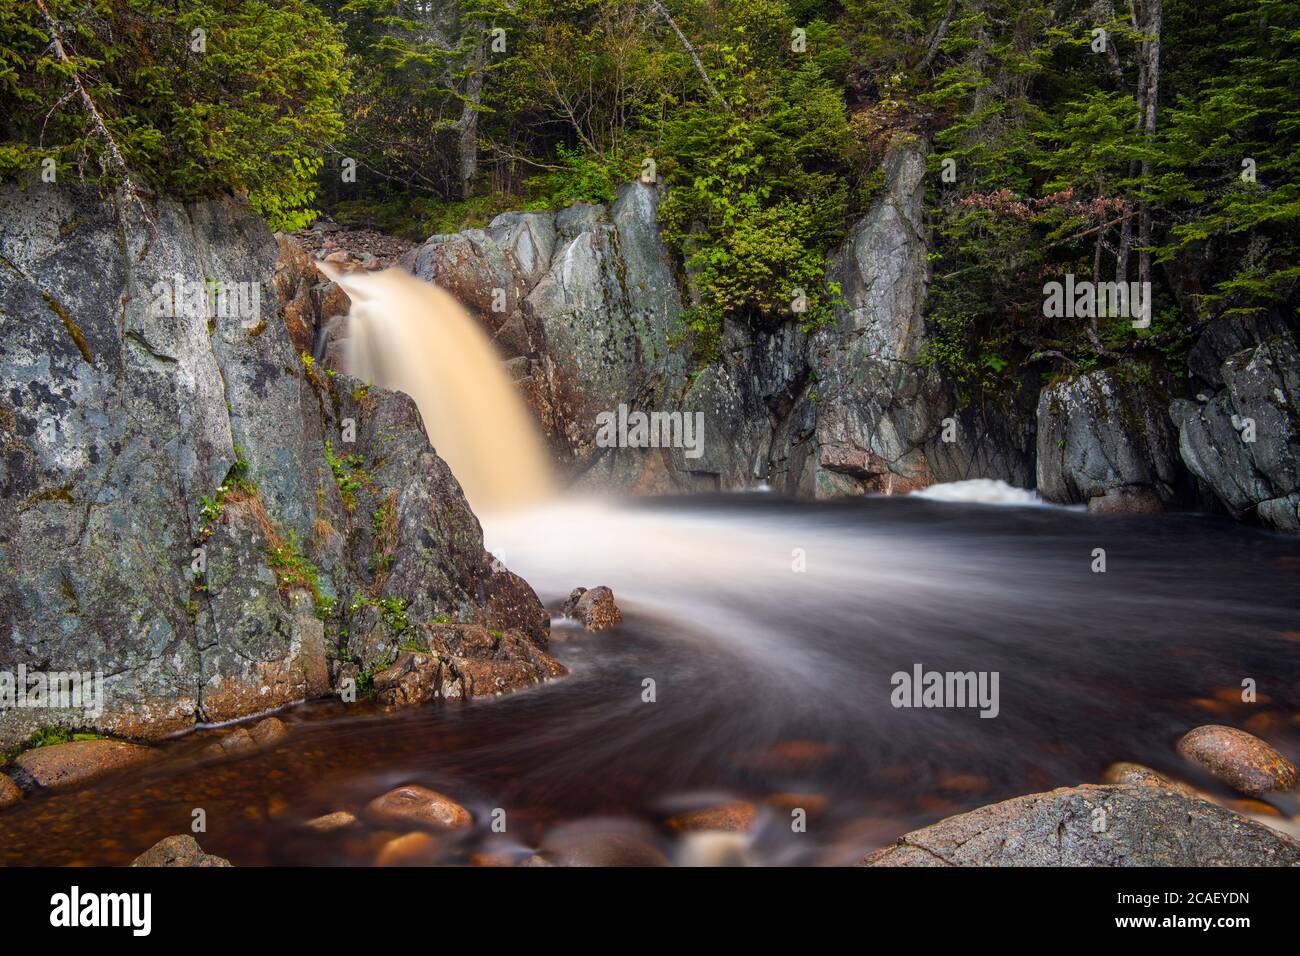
(409,335)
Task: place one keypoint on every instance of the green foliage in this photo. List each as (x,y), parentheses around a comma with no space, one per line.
(349,474)
(46,737)
(391,609)
(250,112)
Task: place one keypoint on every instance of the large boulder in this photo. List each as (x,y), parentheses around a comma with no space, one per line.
(169,513)
(1094,826)
(63,765)
(1105,434)
(1244,442)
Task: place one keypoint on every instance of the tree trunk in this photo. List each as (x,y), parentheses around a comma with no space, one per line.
(1154,15)
(467,126)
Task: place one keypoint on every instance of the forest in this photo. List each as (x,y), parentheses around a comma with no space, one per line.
(1119,142)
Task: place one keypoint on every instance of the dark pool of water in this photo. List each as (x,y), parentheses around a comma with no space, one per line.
(774,681)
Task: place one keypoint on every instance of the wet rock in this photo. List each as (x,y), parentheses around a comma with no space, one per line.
(61,765)
(414,678)
(269,731)
(595,608)
(1136,775)
(238,740)
(605,849)
(9,792)
(1106,435)
(1126,501)
(536,860)
(411,849)
(1241,760)
(181,850)
(420,805)
(331,821)
(1244,442)
(1144,826)
(813,804)
(714,848)
(735,817)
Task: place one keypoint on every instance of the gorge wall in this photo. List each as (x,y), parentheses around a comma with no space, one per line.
(186,504)
(586,304)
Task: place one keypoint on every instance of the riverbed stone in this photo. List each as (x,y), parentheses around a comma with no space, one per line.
(62,765)
(1143,826)
(9,792)
(1241,760)
(180,850)
(410,849)
(331,821)
(420,805)
(1136,775)
(734,817)
(578,845)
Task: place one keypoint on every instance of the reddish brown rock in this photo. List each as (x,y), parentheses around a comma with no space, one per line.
(1241,760)
(735,817)
(180,850)
(331,821)
(603,849)
(9,792)
(269,731)
(595,608)
(413,678)
(411,849)
(61,765)
(1136,775)
(415,804)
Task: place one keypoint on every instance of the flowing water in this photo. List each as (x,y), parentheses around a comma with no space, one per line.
(770,630)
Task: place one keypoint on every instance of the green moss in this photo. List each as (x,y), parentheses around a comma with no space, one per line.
(46,737)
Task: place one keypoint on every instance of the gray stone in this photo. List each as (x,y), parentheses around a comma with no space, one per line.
(1143,826)
(1101,432)
(181,850)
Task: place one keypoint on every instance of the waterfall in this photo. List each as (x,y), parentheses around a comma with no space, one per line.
(406,334)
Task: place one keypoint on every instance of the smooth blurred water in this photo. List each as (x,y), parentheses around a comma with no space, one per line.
(770,680)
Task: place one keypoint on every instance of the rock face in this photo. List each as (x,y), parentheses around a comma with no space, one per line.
(1239,759)
(1143,826)
(182,850)
(1244,442)
(169,513)
(1101,436)
(62,765)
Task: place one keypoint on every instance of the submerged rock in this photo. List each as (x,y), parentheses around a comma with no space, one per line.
(9,792)
(1094,826)
(415,804)
(61,765)
(735,817)
(602,843)
(1241,760)
(181,850)
(411,849)
(594,608)
(331,821)
(243,739)
(1136,775)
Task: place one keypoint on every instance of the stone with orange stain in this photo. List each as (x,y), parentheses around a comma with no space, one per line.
(331,821)
(1137,775)
(735,817)
(416,804)
(794,755)
(75,762)
(411,849)
(1241,760)
(1232,695)
(1253,807)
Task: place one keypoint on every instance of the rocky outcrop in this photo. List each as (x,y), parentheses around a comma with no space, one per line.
(1105,437)
(1244,442)
(462,662)
(1094,826)
(171,513)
